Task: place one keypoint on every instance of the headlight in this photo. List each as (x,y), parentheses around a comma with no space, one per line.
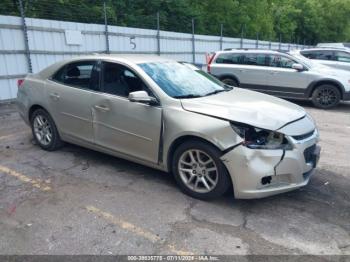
(257,138)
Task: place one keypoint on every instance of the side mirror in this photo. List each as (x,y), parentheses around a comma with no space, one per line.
(298,67)
(142,97)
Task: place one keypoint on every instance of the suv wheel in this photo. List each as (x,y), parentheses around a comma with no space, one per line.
(199,171)
(326,96)
(44,130)
(230,81)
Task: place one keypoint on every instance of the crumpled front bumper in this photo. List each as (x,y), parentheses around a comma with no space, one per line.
(289,170)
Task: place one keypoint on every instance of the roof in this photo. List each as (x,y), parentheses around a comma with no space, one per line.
(122,58)
(131,58)
(326,48)
(249,51)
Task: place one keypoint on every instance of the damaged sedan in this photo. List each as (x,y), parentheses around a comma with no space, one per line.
(161,113)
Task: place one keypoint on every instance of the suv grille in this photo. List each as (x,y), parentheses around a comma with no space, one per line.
(304,136)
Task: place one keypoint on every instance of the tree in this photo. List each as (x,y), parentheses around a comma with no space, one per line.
(311,21)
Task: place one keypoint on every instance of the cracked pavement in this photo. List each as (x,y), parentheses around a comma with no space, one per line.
(99,204)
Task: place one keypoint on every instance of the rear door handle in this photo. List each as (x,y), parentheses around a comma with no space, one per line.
(274,73)
(102,108)
(55,96)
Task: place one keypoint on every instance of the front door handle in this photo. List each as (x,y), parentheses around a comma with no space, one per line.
(274,73)
(102,108)
(55,96)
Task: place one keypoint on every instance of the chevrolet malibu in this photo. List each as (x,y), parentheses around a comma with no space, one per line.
(163,114)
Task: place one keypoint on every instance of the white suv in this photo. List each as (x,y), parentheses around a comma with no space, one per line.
(281,74)
(333,57)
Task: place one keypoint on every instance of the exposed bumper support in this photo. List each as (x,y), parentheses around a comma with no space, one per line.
(247,167)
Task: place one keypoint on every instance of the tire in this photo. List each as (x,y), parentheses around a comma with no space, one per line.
(187,175)
(230,81)
(43,128)
(326,96)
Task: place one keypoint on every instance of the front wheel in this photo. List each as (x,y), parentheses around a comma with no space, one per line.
(230,81)
(199,171)
(326,96)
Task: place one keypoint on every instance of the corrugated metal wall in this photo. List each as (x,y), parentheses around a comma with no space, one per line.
(47,41)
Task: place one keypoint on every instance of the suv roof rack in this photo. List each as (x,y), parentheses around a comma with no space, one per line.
(248,49)
(240,48)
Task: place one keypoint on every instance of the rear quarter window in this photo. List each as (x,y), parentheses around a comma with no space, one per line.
(229,59)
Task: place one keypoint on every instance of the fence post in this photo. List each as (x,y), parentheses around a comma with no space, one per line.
(257,40)
(25,34)
(279,45)
(242,36)
(221,35)
(106,27)
(193,44)
(158,34)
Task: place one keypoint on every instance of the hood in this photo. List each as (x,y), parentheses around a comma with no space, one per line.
(249,107)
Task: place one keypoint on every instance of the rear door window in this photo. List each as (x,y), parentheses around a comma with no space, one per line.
(228,58)
(319,54)
(82,74)
(255,59)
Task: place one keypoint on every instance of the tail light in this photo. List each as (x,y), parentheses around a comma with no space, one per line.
(209,62)
(20,82)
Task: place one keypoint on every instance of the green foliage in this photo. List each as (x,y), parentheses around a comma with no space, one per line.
(302,21)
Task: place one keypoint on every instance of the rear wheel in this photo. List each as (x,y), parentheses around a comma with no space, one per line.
(230,81)
(326,96)
(44,130)
(199,171)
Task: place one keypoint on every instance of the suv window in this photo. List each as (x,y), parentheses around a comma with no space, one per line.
(228,58)
(78,74)
(321,54)
(255,59)
(342,56)
(120,80)
(281,61)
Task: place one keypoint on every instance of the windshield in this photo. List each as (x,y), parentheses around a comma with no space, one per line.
(180,81)
(210,77)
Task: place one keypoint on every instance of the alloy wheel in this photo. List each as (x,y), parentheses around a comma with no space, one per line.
(42,130)
(326,97)
(198,171)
